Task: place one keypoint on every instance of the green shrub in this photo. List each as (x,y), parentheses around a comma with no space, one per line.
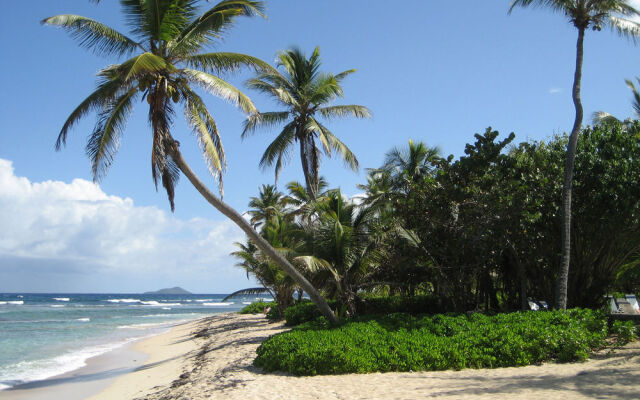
(304,311)
(625,332)
(258,307)
(402,342)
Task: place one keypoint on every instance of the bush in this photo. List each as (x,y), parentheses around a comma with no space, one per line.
(303,312)
(258,307)
(402,342)
(625,332)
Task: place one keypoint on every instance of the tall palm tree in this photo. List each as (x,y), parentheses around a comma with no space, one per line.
(583,15)
(305,93)
(170,36)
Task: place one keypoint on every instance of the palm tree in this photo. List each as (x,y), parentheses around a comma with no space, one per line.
(274,281)
(410,164)
(583,14)
(305,92)
(343,247)
(267,206)
(170,37)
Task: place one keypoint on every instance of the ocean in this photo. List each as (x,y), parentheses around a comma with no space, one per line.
(43,335)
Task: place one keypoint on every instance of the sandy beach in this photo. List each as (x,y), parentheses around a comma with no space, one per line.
(212,358)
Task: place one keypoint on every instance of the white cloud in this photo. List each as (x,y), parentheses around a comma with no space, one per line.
(76,228)
(555,90)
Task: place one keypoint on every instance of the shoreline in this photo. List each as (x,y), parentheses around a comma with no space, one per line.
(99,372)
(212,357)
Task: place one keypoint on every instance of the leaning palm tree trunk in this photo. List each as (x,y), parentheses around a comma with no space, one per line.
(567,186)
(233,215)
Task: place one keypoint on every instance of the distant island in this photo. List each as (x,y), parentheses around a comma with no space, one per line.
(173,290)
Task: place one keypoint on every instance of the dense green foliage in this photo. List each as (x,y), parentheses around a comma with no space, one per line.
(477,233)
(626,331)
(257,307)
(401,342)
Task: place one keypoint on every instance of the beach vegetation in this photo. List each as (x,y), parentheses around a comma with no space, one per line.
(402,342)
(475,233)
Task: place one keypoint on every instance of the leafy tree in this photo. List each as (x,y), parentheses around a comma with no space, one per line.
(583,14)
(170,36)
(305,92)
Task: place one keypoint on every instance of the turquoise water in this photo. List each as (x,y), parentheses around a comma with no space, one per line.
(42,335)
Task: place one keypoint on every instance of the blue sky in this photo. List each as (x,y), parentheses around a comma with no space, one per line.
(437,71)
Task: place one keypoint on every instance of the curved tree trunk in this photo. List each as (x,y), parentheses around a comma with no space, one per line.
(233,215)
(567,186)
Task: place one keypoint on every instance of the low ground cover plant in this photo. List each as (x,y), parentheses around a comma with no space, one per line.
(403,342)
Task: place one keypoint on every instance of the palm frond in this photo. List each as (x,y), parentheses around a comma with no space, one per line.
(268,119)
(103,142)
(313,264)
(208,136)
(225,62)
(221,88)
(105,92)
(93,35)
(281,93)
(339,77)
(336,144)
(603,117)
(134,16)
(249,292)
(143,63)
(636,96)
(324,89)
(279,148)
(555,5)
(212,24)
(345,111)
(624,27)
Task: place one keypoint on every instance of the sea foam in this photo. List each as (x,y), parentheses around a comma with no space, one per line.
(61,298)
(29,371)
(156,304)
(123,300)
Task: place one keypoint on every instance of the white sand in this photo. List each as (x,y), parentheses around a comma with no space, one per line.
(219,367)
(168,354)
